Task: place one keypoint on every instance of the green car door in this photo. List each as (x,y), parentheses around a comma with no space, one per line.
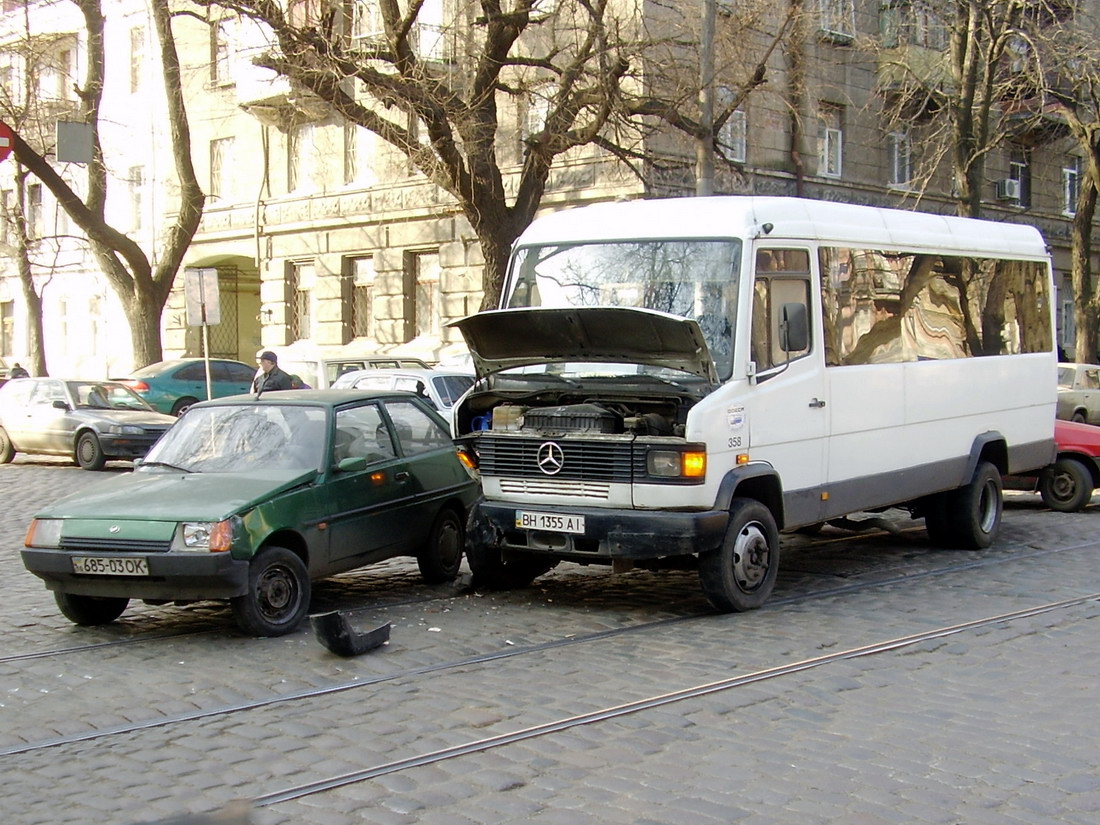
(369,493)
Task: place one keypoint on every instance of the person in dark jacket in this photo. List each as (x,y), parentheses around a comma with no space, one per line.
(17,371)
(270,377)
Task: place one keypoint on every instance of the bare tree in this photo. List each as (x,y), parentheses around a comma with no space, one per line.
(588,73)
(29,57)
(956,68)
(142,287)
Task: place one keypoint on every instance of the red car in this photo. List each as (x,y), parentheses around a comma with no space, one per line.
(1067,484)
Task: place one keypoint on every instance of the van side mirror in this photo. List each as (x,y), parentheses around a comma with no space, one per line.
(794,327)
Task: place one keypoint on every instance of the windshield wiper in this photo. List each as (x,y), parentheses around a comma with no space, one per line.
(165,464)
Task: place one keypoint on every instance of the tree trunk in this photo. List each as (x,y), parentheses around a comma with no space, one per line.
(143,311)
(33,303)
(1084,290)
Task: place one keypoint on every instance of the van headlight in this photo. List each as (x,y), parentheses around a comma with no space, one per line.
(689,464)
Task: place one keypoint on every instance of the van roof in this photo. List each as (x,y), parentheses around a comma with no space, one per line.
(790,219)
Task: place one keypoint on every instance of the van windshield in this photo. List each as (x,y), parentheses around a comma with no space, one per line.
(692,278)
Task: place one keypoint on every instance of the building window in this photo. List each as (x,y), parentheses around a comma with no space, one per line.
(221,51)
(911,23)
(424,310)
(1071,186)
(137,57)
(360,274)
(900,158)
(831,142)
(7,327)
(136,184)
(221,166)
(299,158)
(430,31)
(734,134)
(300,281)
(1019,170)
(351,153)
(7,217)
(837,19)
(35,226)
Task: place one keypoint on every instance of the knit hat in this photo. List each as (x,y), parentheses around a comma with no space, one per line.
(268,355)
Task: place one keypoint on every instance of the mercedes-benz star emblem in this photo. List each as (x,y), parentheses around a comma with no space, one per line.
(550,458)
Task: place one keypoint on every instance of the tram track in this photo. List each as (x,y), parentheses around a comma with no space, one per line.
(656,701)
(514,652)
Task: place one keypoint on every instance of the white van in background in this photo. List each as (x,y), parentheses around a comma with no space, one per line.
(688,377)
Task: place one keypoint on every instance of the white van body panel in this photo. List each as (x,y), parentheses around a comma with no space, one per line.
(811,436)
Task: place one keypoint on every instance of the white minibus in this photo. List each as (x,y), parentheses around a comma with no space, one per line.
(689,377)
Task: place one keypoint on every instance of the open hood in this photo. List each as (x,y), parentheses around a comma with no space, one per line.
(506,338)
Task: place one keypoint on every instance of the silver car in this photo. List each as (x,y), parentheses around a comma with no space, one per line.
(1079,393)
(92,421)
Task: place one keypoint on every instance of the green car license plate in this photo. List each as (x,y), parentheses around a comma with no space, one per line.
(96,566)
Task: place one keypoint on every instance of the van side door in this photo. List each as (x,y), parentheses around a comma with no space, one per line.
(789,414)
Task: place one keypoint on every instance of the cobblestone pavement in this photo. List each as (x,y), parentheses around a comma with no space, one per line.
(170,711)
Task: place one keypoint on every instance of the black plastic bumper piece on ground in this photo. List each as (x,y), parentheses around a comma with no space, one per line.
(335,632)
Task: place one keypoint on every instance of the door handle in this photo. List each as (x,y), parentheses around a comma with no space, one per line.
(402,476)
(817,403)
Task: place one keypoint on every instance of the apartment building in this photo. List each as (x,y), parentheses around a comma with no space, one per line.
(328,240)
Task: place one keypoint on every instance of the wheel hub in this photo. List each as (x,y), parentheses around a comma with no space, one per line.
(751,557)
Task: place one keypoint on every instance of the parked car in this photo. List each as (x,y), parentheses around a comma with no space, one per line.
(441,387)
(92,421)
(173,386)
(1067,484)
(321,373)
(247,499)
(1079,393)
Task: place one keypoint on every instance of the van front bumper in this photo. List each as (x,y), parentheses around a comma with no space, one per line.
(608,533)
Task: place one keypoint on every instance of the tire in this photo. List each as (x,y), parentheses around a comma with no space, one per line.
(182,405)
(968,518)
(740,575)
(88,611)
(7,451)
(440,559)
(278,594)
(1080,417)
(89,453)
(1066,485)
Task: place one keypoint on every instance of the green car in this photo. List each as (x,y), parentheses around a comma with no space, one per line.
(249,499)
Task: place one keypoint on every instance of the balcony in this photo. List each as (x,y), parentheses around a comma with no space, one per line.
(1035,120)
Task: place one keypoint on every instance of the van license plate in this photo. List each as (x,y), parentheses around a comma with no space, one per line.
(557,522)
(90,565)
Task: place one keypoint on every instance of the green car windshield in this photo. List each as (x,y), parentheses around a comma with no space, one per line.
(243,439)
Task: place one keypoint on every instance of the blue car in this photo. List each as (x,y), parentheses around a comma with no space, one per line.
(173,386)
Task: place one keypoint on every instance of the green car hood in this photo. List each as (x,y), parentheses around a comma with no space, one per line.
(170,496)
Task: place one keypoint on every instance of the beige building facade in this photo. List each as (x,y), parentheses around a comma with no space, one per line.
(327,242)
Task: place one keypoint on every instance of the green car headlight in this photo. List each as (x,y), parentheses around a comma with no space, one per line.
(44,532)
(204,536)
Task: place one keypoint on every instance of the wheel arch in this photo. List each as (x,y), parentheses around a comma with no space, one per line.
(290,539)
(760,482)
(990,446)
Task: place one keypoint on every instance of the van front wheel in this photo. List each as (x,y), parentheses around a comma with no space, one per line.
(740,575)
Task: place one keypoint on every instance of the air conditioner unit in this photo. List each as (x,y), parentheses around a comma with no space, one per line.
(1007,189)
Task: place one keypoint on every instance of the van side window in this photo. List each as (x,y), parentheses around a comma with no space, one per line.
(782,277)
(885,307)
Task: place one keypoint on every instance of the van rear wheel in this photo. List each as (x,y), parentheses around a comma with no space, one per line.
(969,517)
(740,575)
